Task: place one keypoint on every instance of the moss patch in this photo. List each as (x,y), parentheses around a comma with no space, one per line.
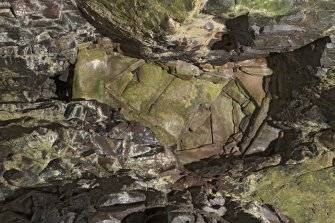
(182,98)
(304,192)
(145,15)
(266,7)
(144,90)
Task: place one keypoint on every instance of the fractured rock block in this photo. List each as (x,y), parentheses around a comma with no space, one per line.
(263,139)
(89,78)
(145,92)
(222,119)
(234,90)
(181,99)
(200,137)
(253,85)
(181,106)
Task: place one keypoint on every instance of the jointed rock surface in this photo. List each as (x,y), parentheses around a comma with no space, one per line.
(167,111)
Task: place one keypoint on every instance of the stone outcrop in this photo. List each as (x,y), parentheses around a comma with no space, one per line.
(38,45)
(293,189)
(180,103)
(211,30)
(167,111)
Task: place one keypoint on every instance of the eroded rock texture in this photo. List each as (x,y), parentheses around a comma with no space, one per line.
(38,45)
(167,111)
(208,112)
(211,30)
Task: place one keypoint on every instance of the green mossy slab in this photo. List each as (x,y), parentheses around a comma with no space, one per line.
(234,90)
(269,8)
(182,98)
(249,108)
(142,92)
(148,94)
(266,7)
(118,65)
(119,84)
(89,75)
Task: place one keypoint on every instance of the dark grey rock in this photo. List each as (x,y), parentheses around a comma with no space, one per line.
(121,198)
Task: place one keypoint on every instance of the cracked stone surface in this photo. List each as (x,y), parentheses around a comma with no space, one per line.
(167,111)
(191,112)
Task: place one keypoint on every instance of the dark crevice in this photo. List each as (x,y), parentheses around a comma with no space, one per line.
(294,88)
(64,83)
(239,34)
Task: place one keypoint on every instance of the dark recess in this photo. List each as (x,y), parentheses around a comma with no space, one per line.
(239,34)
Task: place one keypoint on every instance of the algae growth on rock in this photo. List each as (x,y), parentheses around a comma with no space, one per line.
(304,192)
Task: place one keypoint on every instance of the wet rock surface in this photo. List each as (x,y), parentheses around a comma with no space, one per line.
(156,111)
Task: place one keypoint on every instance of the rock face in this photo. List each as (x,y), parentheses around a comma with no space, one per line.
(181,104)
(293,189)
(211,30)
(38,45)
(167,111)
(48,141)
(153,26)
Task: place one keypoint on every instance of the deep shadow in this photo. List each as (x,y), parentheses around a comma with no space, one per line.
(151,215)
(64,82)
(239,34)
(294,70)
(234,215)
(294,73)
(326,104)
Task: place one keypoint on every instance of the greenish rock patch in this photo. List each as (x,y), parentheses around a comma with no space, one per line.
(142,17)
(304,192)
(236,92)
(240,7)
(142,92)
(181,106)
(181,99)
(265,7)
(145,92)
(200,137)
(91,68)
